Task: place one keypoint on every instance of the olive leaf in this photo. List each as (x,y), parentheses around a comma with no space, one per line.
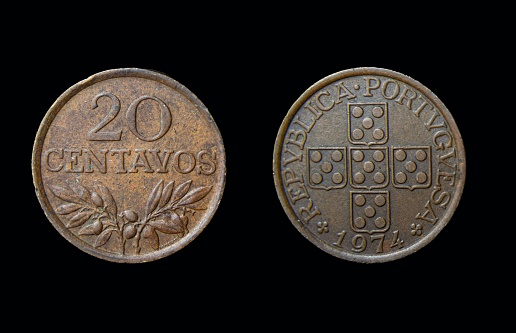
(65,194)
(167,194)
(81,191)
(79,218)
(86,230)
(67,208)
(103,237)
(171,224)
(163,201)
(194,195)
(181,190)
(106,195)
(154,198)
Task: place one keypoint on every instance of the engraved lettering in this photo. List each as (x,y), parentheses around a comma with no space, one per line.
(165,121)
(446,143)
(428,215)
(369,86)
(162,162)
(317,113)
(95,161)
(404,96)
(207,164)
(439,196)
(309,212)
(94,134)
(430,124)
(296,191)
(290,177)
(343,92)
(184,165)
(60,156)
(120,155)
(341,235)
(103,165)
(358,243)
(297,138)
(422,106)
(447,176)
(320,104)
(72,161)
(443,197)
(88,160)
(296,157)
(299,194)
(441,159)
(396,240)
(306,127)
(140,160)
(385,85)
(399,143)
(380,239)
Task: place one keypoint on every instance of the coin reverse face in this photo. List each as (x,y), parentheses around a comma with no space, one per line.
(369,165)
(129,165)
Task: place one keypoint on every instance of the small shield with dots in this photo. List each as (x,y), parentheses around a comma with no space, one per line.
(367,123)
(370,212)
(369,167)
(327,167)
(412,167)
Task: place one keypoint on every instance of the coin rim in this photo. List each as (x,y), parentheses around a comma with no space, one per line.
(47,122)
(461,167)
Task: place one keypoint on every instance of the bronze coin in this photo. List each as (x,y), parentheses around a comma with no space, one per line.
(369,165)
(129,165)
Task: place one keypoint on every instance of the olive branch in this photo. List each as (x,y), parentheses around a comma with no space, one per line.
(94,211)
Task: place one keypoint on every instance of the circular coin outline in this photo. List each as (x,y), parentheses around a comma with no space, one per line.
(46,123)
(278,182)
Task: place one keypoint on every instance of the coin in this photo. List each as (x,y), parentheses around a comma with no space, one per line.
(129,165)
(369,165)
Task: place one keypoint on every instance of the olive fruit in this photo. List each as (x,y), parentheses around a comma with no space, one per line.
(129,231)
(97,227)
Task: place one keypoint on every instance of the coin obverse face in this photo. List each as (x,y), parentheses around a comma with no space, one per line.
(129,165)
(369,165)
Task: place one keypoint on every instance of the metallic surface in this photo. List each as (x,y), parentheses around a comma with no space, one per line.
(129,165)
(369,165)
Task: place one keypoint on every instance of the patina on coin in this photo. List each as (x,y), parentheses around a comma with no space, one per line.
(129,165)
(369,165)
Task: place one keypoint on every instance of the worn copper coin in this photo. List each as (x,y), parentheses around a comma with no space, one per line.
(369,165)
(129,165)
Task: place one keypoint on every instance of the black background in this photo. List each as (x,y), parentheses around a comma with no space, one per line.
(250,262)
